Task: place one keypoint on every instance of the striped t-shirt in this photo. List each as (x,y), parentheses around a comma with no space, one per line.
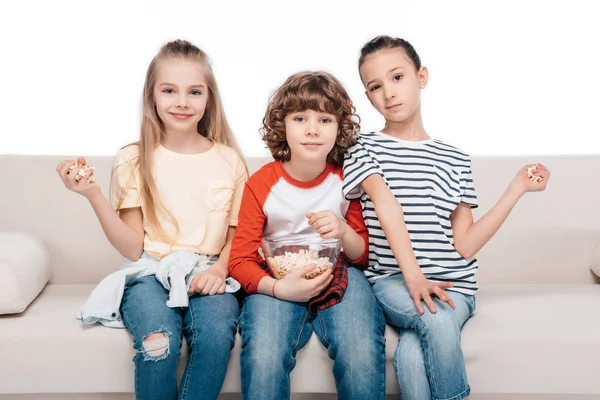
(430,179)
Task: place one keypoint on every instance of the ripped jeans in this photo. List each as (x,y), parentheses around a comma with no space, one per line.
(209,325)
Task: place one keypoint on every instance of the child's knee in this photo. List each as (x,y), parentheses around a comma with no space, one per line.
(156,346)
(443,325)
(265,358)
(216,336)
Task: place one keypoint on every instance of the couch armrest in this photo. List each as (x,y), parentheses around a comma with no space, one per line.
(595,262)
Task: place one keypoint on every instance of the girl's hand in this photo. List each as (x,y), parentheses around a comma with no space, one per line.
(76,181)
(532,178)
(295,287)
(423,289)
(208,282)
(327,224)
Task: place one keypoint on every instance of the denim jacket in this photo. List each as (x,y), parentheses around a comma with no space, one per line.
(175,272)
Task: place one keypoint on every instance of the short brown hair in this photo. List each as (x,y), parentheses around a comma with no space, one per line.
(318,91)
(384,42)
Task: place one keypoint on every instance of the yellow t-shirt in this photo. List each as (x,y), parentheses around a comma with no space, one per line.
(202,192)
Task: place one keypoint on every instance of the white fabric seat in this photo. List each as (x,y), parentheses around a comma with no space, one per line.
(553,330)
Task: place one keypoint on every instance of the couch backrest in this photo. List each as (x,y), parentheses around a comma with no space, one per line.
(549,237)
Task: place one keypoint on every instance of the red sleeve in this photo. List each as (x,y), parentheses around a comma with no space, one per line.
(245,262)
(355,220)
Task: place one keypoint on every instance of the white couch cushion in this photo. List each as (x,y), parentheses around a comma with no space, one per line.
(523,339)
(24,270)
(534,339)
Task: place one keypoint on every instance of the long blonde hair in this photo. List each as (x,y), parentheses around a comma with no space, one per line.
(213,126)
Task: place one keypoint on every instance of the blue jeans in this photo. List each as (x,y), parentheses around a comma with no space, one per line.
(274,330)
(428,361)
(209,325)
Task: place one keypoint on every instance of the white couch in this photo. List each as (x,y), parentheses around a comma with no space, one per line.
(536,331)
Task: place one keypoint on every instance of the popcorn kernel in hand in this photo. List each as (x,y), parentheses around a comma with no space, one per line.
(82,172)
(531,176)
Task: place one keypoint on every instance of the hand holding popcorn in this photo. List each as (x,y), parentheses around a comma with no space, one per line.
(84,170)
(295,287)
(532,178)
(327,224)
(77,176)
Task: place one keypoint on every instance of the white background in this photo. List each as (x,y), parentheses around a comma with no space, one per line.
(506,77)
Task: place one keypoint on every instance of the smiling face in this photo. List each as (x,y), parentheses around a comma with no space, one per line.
(310,135)
(393,84)
(180,95)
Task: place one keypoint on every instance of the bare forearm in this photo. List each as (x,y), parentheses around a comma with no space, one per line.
(123,237)
(391,217)
(265,286)
(479,233)
(398,238)
(223,263)
(353,244)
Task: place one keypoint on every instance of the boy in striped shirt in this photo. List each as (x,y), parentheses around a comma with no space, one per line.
(416,195)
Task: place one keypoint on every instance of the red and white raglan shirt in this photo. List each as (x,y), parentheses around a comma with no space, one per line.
(274,206)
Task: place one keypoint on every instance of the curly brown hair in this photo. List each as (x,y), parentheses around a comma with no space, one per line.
(318,91)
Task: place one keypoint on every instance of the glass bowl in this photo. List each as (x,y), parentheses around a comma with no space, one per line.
(289,254)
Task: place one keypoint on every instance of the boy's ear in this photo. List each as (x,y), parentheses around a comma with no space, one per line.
(423,76)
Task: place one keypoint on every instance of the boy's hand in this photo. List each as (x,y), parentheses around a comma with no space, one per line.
(77,177)
(532,178)
(208,282)
(423,289)
(327,224)
(295,287)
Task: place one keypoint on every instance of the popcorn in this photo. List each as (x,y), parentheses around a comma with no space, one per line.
(82,172)
(531,176)
(288,262)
